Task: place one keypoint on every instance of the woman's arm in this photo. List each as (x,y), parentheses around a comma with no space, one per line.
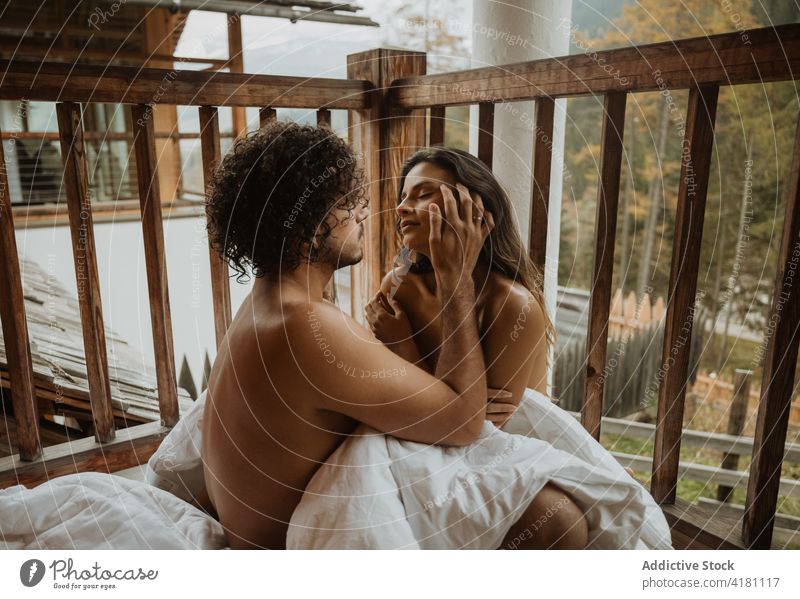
(514,344)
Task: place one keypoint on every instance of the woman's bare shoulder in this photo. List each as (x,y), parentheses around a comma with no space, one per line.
(400,283)
(509,301)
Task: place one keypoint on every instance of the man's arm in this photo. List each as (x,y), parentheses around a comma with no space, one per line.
(409,403)
(338,362)
(406,345)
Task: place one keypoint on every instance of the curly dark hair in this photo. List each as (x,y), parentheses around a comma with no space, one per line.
(272,193)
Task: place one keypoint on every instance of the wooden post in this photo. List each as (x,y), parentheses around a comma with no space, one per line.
(540,188)
(384,137)
(736,420)
(220,283)
(605,237)
(486,132)
(698,142)
(436,129)
(777,384)
(15,329)
(79,207)
(155,261)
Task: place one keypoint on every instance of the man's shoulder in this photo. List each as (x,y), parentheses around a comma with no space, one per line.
(305,324)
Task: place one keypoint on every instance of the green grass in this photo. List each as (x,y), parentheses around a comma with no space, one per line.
(740,353)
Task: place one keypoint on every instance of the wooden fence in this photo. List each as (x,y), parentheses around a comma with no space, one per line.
(632,371)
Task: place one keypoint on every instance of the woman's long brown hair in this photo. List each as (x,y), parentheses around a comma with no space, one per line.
(503,249)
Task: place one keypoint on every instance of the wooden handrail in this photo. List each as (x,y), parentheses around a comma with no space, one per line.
(768,54)
(54,82)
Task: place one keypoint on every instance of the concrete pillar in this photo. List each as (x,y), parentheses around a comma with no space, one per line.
(515,31)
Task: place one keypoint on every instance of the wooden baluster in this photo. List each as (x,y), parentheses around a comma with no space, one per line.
(324,118)
(605,237)
(79,207)
(485,132)
(436,130)
(777,383)
(266,116)
(155,261)
(695,163)
(220,283)
(540,187)
(736,420)
(355,310)
(329,291)
(15,330)
(236,65)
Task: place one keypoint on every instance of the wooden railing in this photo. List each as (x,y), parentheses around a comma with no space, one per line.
(700,65)
(140,89)
(389,97)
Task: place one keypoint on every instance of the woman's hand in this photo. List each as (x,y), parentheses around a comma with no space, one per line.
(386,319)
(456,238)
(499,408)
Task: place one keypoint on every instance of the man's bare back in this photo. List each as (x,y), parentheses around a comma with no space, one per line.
(262,446)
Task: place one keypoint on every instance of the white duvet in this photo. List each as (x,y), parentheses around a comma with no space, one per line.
(102,511)
(375,492)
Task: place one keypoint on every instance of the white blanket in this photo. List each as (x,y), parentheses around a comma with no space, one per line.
(101,511)
(377,491)
(374,492)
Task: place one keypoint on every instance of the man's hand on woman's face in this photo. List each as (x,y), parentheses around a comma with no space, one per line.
(387,320)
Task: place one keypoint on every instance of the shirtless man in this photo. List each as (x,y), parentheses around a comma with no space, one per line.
(288,202)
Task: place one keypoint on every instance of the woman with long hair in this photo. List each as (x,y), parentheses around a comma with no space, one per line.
(515,328)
